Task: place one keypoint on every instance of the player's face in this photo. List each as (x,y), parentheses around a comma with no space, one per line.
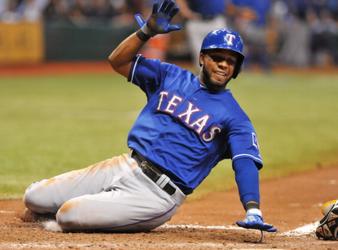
(217,68)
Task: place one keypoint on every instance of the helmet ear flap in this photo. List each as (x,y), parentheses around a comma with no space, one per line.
(238,66)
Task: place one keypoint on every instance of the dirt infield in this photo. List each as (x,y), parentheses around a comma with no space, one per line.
(206,223)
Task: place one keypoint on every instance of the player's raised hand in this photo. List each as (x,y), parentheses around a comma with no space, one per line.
(159,20)
(254,220)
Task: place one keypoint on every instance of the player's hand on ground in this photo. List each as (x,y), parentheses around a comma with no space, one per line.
(159,20)
(254,220)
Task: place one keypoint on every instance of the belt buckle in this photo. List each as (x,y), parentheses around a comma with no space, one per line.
(144,164)
(153,174)
(149,171)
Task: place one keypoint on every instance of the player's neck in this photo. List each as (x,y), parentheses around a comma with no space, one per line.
(208,84)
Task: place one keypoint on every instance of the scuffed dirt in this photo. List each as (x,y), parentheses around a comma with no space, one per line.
(288,203)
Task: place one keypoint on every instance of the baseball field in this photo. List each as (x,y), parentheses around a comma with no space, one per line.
(56,118)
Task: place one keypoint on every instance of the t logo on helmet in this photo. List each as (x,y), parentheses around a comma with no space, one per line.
(229,38)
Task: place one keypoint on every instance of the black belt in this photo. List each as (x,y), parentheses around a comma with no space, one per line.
(152,171)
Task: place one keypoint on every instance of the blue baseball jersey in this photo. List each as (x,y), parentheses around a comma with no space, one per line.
(184,128)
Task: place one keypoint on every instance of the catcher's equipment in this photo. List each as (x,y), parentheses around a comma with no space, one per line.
(225,39)
(326,207)
(254,220)
(328,227)
(159,20)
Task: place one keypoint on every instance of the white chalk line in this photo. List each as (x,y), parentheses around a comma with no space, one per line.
(303,230)
(6,212)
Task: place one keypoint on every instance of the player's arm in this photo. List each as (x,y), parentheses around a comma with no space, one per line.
(158,23)
(247,179)
(121,58)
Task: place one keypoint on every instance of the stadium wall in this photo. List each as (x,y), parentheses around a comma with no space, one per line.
(29,43)
(64,41)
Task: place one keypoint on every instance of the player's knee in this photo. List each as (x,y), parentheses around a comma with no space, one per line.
(36,199)
(67,216)
(32,198)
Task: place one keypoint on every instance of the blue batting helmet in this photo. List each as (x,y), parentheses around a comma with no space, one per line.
(225,39)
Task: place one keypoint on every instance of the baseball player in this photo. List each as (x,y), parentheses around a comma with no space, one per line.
(187,126)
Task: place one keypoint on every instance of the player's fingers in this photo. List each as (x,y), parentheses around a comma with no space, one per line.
(264,227)
(169,7)
(139,19)
(241,224)
(272,230)
(173,12)
(155,6)
(164,5)
(269,228)
(173,27)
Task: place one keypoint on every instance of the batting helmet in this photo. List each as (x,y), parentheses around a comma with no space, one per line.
(225,39)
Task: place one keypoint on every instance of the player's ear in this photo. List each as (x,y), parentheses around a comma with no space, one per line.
(201,59)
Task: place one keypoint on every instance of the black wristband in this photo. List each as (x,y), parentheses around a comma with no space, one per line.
(142,36)
(251,204)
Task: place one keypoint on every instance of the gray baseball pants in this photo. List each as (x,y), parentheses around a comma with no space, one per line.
(112,195)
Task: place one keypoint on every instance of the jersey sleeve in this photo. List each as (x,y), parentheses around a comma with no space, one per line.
(243,143)
(146,73)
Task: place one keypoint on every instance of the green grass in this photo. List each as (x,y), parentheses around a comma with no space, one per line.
(49,125)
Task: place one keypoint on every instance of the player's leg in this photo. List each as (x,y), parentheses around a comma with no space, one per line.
(46,196)
(134,203)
